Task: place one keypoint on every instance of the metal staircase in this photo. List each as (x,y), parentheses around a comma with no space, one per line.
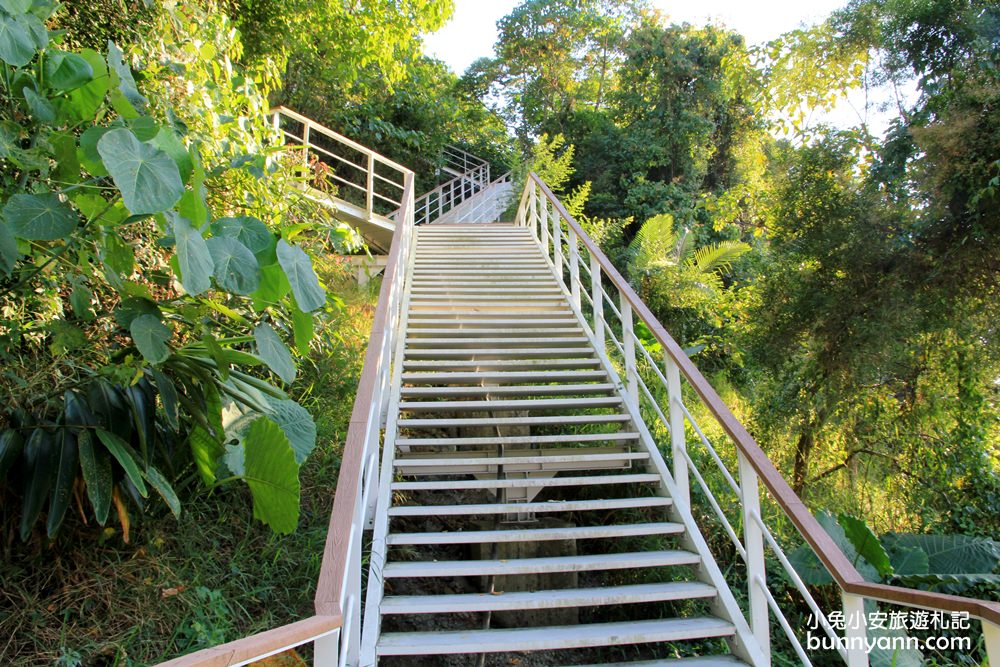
(532,468)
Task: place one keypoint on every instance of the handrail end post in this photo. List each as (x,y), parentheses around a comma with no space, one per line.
(855,633)
(991,637)
(326,650)
(753,545)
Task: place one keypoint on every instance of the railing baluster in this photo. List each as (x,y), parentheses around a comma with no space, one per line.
(557,250)
(370,194)
(574,267)
(305,144)
(855,631)
(678,437)
(753,545)
(991,635)
(598,300)
(628,343)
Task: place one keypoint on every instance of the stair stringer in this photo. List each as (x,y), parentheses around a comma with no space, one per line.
(744,645)
(372,620)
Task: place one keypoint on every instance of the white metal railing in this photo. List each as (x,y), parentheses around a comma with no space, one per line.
(656,388)
(461,162)
(361,176)
(485,206)
(335,630)
(440,201)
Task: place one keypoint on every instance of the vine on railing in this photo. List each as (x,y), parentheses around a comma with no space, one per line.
(657,376)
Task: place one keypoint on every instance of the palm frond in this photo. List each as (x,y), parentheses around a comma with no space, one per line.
(653,243)
(717,256)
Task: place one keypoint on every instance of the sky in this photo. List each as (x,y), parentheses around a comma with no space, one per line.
(471,32)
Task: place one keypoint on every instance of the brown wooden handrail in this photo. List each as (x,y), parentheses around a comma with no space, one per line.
(839,566)
(249,648)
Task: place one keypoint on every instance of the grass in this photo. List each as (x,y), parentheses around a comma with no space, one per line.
(214,575)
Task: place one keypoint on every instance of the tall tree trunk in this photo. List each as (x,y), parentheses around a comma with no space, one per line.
(803,449)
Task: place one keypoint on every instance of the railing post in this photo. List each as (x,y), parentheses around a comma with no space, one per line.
(574,268)
(305,144)
(326,650)
(678,437)
(532,206)
(753,543)
(370,191)
(597,293)
(628,345)
(543,230)
(557,250)
(991,636)
(855,631)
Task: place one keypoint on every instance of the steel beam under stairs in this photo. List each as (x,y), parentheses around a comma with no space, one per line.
(524,507)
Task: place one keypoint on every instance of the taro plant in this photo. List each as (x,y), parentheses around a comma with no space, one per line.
(152,272)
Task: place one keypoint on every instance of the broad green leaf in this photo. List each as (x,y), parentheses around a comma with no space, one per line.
(206,450)
(67,169)
(39,217)
(236,269)
(193,205)
(908,560)
(151,337)
(900,655)
(302,328)
(87,99)
(168,142)
(66,71)
(951,554)
(15,7)
(9,254)
(120,450)
(96,466)
(274,353)
(297,424)
(11,446)
(90,158)
(168,396)
(80,300)
(117,254)
(20,37)
(193,257)
(808,565)
(40,456)
(299,270)
(272,475)
(126,83)
(144,128)
(866,544)
(252,233)
(40,107)
(163,487)
(274,286)
(147,177)
(235,460)
(62,489)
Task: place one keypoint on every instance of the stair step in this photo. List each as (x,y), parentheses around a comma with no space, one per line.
(512,404)
(545,599)
(619,436)
(530,482)
(498,364)
(585,563)
(552,637)
(535,534)
(511,389)
(482,298)
(702,661)
(517,352)
(430,332)
(471,322)
(490,457)
(603,504)
(503,376)
(513,421)
(506,342)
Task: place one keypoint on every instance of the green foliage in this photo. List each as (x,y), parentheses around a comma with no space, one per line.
(112,253)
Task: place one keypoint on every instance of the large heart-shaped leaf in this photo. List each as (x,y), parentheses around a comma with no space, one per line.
(298,426)
(305,285)
(236,268)
(866,543)
(193,256)
(272,475)
(66,71)
(9,254)
(274,353)
(40,107)
(20,37)
(151,337)
(951,554)
(87,99)
(39,217)
(148,178)
(252,233)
